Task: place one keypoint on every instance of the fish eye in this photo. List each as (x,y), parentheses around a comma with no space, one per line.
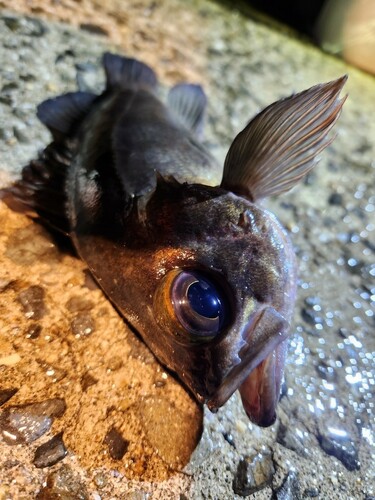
(199,303)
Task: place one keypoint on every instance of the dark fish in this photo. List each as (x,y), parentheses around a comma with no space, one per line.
(203,272)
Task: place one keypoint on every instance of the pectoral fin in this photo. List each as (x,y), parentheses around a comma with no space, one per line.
(280,145)
(63,113)
(188,102)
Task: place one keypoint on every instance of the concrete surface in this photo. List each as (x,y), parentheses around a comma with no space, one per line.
(60,339)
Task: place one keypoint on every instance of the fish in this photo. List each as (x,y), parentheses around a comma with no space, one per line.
(181,245)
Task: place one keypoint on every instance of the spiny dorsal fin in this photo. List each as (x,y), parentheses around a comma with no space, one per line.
(188,102)
(280,145)
(60,114)
(125,73)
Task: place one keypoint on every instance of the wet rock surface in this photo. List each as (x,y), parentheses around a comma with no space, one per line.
(108,378)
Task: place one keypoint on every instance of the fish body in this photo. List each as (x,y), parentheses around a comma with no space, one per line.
(181,246)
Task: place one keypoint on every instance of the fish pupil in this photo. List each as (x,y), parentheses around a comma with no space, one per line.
(204,300)
(199,304)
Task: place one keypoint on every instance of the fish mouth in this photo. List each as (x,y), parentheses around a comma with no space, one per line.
(266,331)
(260,391)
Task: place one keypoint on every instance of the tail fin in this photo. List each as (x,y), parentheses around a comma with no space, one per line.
(125,73)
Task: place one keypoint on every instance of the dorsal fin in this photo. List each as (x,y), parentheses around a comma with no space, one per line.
(125,73)
(188,102)
(62,113)
(280,145)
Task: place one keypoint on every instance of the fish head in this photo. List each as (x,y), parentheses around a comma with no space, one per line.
(220,286)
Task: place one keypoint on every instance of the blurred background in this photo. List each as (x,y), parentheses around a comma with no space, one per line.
(345,28)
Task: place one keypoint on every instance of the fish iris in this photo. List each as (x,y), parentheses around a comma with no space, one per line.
(199,304)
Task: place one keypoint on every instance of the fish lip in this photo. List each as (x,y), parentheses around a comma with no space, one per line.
(250,360)
(260,402)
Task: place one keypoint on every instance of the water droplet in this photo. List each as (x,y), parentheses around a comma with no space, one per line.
(352,262)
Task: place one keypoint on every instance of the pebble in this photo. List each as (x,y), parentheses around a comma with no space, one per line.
(83,325)
(32,302)
(87,77)
(311,492)
(94,28)
(79,304)
(5,134)
(138,495)
(253,474)
(290,488)
(26,423)
(6,394)
(55,373)
(100,480)
(287,436)
(63,484)
(335,199)
(336,441)
(311,317)
(5,284)
(87,381)
(117,445)
(229,439)
(14,23)
(33,331)
(326,372)
(19,427)
(50,453)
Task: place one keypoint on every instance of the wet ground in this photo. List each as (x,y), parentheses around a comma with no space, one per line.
(86,409)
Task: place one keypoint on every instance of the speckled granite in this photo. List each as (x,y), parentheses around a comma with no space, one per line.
(61,339)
